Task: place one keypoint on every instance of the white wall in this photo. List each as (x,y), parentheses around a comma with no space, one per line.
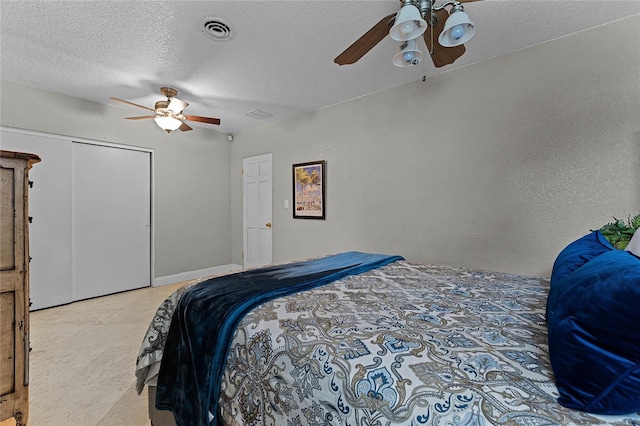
(497,165)
(192,214)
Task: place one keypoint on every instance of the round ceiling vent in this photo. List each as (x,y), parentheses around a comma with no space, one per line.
(217,29)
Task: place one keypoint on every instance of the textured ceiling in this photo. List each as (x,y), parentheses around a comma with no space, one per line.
(280,59)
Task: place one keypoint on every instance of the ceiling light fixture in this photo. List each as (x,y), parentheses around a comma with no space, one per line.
(408,24)
(176,105)
(168,123)
(458,29)
(411,23)
(408,54)
(169,113)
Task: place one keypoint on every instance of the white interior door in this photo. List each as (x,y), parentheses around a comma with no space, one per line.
(50,274)
(111,194)
(257,211)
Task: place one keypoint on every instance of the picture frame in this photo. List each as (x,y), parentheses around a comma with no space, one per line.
(309,190)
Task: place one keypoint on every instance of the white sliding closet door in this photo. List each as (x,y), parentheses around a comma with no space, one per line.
(50,206)
(111,195)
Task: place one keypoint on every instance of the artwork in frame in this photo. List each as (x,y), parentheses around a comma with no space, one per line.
(308,190)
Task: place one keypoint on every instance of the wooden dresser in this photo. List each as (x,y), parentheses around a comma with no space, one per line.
(14,285)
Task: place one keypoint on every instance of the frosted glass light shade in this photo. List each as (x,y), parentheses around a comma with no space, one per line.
(176,105)
(168,124)
(408,24)
(458,29)
(408,54)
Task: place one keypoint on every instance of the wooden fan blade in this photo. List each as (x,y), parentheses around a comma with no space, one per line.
(441,55)
(185,127)
(209,120)
(367,42)
(131,103)
(141,117)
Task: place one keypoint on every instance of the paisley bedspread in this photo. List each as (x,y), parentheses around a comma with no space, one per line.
(404,344)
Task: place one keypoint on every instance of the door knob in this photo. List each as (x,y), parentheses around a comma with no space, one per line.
(268,225)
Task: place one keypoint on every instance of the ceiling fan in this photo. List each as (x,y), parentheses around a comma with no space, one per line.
(414,19)
(168,114)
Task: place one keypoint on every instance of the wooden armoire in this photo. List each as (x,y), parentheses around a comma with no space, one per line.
(14,285)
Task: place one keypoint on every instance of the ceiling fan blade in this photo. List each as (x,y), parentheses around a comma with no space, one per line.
(441,55)
(141,117)
(367,42)
(131,103)
(185,127)
(209,120)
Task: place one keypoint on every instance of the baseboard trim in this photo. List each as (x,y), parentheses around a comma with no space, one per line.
(194,275)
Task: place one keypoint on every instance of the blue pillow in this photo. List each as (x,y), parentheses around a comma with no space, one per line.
(593,316)
(579,253)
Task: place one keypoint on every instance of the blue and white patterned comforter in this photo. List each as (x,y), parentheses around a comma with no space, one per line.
(404,344)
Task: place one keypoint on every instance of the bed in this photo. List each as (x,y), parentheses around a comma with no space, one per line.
(389,343)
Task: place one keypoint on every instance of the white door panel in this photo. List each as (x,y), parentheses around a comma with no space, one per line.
(50,273)
(257,208)
(111,220)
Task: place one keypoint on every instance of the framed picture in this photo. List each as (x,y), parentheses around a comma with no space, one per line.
(308,190)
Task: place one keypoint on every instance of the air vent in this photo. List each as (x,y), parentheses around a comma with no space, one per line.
(259,114)
(217,29)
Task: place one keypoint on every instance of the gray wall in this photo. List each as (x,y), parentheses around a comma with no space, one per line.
(497,165)
(191,171)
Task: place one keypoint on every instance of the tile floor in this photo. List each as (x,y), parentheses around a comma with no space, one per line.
(83,360)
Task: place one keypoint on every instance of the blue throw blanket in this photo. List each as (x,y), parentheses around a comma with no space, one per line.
(206,318)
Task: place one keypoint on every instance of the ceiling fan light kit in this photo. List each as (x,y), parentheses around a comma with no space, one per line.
(416,19)
(168,123)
